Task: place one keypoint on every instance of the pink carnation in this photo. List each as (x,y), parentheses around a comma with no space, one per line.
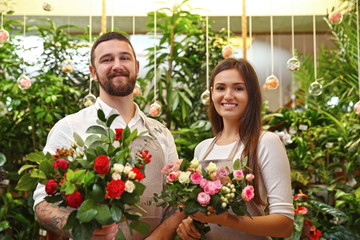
(247,193)
(203,198)
(196,178)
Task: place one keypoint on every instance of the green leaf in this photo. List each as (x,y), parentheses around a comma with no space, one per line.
(191,207)
(26,183)
(237,164)
(25,167)
(79,176)
(103,217)
(97,193)
(139,188)
(82,231)
(120,235)
(35,156)
(91,139)
(47,168)
(116,213)
(101,115)
(89,179)
(71,221)
(4,225)
(97,130)
(2,159)
(140,226)
(79,141)
(111,119)
(87,211)
(36,173)
(68,187)
(329,210)
(184,165)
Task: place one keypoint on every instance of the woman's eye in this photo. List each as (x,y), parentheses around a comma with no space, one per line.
(219,88)
(239,89)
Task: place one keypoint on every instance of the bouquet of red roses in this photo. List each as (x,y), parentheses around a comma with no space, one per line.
(98,177)
(195,188)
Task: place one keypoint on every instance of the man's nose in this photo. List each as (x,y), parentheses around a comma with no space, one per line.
(117,65)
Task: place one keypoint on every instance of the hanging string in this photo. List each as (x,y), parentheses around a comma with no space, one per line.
(314,40)
(357,37)
(228,29)
(272,44)
(133,26)
(207,52)
(292,35)
(24,35)
(250,35)
(155,20)
(90,28)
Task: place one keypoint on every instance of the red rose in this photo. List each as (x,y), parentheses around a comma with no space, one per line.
(61,163)
(74,200)
(115,189)
(139,176)
(102,164)
(51,187)
(118,134)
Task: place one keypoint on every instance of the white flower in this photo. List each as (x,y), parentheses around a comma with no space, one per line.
(127,169)
(211,167)
(184,177)
(118,167)
(132,175)
(129,186)
(116,176)
(194,163)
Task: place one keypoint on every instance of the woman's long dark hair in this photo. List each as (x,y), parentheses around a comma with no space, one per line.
(250,122)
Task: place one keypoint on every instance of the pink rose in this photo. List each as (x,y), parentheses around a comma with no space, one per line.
(171,177)
(203,198)
(250,177)
(203,183)
(4,35)
(211,187)
(61,163)
(171,167)
(238,175)
(217,185)
(247,193)
(196,178)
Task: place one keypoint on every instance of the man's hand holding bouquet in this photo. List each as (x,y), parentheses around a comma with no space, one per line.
(206,190)
(97,177)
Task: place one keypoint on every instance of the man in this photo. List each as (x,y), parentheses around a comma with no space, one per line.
(114,66)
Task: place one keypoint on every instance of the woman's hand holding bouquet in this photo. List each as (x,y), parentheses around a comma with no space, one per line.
(196,190)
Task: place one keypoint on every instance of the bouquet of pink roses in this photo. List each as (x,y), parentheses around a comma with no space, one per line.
(98,177)
(195,188)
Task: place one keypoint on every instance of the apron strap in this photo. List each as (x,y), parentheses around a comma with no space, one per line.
(212,144)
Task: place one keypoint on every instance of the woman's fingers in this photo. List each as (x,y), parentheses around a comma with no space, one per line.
(107,232)
(187,230)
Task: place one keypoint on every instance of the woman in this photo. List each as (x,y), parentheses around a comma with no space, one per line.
(235,115)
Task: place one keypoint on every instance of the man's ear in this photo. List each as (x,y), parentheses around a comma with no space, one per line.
(137,67)
(93,72)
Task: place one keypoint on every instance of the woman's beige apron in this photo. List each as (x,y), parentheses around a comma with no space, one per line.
(153,181)
(221,232)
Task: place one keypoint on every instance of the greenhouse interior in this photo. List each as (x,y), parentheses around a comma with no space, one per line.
(73,151)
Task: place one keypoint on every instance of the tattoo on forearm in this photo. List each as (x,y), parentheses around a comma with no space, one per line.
(170,211)
(53,218)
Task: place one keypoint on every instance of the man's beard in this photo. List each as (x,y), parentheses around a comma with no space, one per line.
(122,91)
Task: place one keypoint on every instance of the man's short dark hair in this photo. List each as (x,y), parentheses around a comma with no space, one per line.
(107,37)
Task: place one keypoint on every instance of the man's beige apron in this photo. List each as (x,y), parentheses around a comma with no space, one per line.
(221,232)
(154,182)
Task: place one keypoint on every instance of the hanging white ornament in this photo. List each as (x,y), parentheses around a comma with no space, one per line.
(335,17)
(89,100)
(315,88)
(23,82)
(205,97)
(293,64)
(155,109)
(67,66)
(48,5)
(271,82)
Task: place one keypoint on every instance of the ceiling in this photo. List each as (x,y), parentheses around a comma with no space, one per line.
(132,15)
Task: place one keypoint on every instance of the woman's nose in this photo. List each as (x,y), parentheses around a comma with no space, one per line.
(228,94)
